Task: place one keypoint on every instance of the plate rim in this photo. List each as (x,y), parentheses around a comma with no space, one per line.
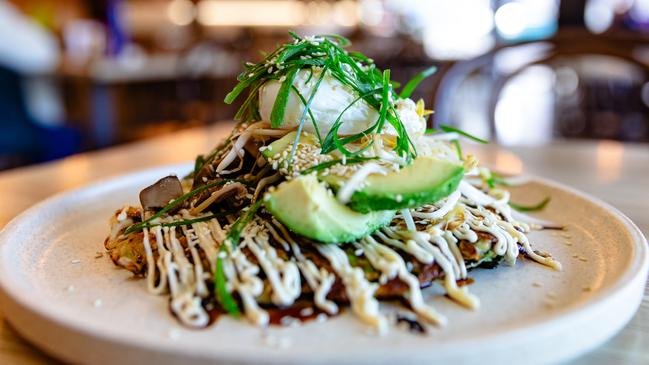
(12,297)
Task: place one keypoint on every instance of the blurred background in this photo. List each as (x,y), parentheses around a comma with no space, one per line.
(83,75)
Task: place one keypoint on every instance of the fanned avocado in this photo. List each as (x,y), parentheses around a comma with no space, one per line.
(307,208)
(425,181)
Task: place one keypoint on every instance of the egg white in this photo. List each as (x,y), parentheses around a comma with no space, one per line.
(331,98)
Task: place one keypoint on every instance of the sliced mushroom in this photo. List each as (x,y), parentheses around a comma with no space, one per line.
(161,193)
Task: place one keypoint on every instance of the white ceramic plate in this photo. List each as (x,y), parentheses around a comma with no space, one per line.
(83,309)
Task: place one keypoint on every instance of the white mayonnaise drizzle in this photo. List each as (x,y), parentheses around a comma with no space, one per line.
(504,236)
(151,265)
(355,182)
(182,282)
(359,291)
(319,280)
(449,264)
(441,211)
(460,217)
(410,223)
(283,276)
(392,265)
(461,295)
(243,277)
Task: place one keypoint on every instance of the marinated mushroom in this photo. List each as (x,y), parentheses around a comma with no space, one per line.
(161,193)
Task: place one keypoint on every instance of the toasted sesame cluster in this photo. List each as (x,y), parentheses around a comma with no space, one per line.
(306,156)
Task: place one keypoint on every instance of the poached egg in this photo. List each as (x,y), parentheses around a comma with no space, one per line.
(331,98)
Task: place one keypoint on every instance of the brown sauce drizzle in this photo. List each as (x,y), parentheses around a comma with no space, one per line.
(299,311)
(464,282)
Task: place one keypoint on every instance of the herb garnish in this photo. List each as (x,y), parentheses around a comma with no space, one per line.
(174,203)
(326,54)
(326,164)
(234,234)
(448,128)
(415,81)
(531,208)
(456,142)
(223,296)
(495,179)
(186,222)
(306,109)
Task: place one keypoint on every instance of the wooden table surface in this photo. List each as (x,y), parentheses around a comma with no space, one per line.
(616,173)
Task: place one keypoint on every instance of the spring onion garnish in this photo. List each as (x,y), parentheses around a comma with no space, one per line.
(327,54)
(456,142)
(330,142)
(495,179)
(223,296)
(326,164)
(240,224)
(415,81)
(315,123)
(448,128)
(279,108)
(174,203)
(458,148)
(306,109)
(186,222)
(531,208)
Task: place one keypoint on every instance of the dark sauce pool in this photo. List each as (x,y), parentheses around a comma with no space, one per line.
(300,311)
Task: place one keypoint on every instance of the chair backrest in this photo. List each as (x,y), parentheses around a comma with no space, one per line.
(592,86)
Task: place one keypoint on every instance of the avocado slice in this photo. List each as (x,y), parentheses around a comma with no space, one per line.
(425,181)
(307,208)
(278,146)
